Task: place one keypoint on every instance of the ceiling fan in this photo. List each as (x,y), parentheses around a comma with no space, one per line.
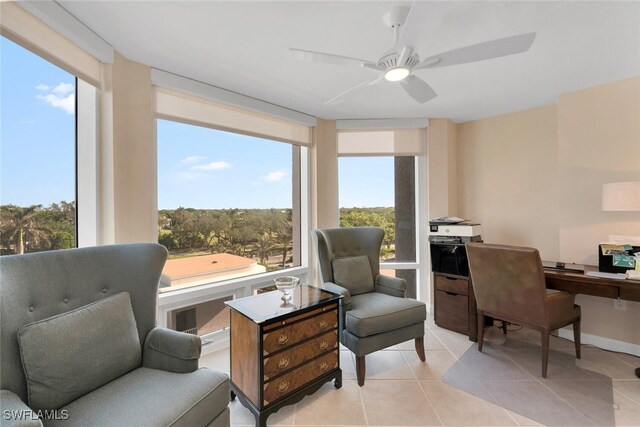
(400,63)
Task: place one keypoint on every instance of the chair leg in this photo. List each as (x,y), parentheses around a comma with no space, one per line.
(360,370)
(545,351)
(504,327)
(576,337)
(480,329)
(420,348)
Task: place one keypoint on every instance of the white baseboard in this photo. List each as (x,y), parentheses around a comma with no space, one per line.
(603,342)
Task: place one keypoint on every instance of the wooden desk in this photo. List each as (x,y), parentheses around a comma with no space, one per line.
(579,283)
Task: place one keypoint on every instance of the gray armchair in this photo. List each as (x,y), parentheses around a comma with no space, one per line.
(80,345)
(376,313)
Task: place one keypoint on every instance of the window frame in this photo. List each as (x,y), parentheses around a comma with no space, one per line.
(241,286)
(422,264)
(85,154)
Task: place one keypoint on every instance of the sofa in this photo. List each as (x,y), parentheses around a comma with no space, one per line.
(80,346)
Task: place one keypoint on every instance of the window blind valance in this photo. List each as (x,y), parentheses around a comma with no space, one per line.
(390,142)
(28,31)
(190,109)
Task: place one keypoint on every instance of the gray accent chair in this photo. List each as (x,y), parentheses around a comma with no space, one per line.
(163,388)
(376,314)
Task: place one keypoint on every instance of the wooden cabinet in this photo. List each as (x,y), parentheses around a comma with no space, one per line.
(455,304)
(282,352)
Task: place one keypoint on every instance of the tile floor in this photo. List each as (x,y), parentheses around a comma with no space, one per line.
(402,391)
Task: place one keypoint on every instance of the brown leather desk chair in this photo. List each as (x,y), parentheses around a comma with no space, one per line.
(509,285)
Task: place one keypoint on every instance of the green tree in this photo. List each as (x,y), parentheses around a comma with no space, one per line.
(264,245)
(18,226)
(284,236)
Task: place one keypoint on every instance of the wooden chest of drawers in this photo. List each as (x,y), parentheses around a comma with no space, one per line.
(282,352)
(455,304)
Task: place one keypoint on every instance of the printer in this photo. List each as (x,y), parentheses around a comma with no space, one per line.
(446,240)
(453,229)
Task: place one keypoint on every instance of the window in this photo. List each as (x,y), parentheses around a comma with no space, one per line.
(386,201)
(228,204)
(38,153)
(202,318)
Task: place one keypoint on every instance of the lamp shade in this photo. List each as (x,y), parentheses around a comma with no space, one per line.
(621,196)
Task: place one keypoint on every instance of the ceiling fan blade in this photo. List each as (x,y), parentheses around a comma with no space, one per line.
(339,97)
(328,58)
(409,31)
(480,51)
(418,89)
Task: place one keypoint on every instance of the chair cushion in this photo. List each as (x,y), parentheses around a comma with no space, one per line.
(353,273)
(375,313)
(71,354)
(150,397)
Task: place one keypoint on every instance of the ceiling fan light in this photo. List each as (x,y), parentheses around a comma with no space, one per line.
(396,74)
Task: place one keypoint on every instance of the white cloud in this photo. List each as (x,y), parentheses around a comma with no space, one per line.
(63,89)
(211,166)
(273,176)
(190,160)
(62,96)
(68,103)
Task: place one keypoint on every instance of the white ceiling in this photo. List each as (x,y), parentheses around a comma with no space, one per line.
(243,47)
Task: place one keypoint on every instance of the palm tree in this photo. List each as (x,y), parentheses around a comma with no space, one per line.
(264,244)
(284,237)
(18,224)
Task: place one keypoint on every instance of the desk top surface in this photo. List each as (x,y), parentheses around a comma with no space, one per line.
(577,282)
(575,276)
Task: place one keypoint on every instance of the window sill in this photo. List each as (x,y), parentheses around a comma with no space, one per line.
(241,286)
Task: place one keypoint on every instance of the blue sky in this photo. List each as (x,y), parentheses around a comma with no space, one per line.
(211,169)
(206,168)
(197,167)
(365,182)
(37,129)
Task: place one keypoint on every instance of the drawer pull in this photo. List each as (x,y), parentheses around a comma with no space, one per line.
(323,324)
(283,386)
(324,366)
(283,362)
(283,338)
(324,345)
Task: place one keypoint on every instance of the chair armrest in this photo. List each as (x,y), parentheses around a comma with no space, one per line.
(171,351)
(393,286)
(337,289)
(14,412)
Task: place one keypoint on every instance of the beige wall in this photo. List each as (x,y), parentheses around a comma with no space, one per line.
(508,178)
(324,170)
(127,155)
(535,178)
(441,168)
(599,142)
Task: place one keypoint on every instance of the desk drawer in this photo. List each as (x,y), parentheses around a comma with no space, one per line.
(295,356)
(452,311)
(288,383)
(452,284)
(278,339)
